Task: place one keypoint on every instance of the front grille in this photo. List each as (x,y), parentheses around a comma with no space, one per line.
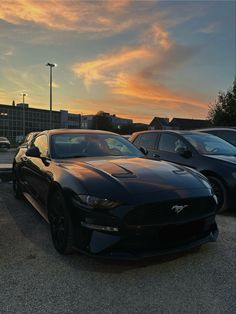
(163,213)
(175,234)
(169,236)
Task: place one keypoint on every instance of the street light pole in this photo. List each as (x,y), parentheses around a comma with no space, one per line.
(50,65)
(23,104)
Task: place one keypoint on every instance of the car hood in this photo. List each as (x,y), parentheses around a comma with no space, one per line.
(231,159)
(134,175)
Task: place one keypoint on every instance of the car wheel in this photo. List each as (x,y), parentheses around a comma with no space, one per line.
(60,224)
(220,192)
(17,190)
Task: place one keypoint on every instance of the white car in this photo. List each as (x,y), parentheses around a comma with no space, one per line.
(4,143)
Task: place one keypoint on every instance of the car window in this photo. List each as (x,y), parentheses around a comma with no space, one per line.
(42,144)
(91,145)
(117,147)
(137,141)
(210,145)
(170,143)
(148,140)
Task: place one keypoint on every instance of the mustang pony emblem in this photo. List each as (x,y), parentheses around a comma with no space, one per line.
(178,208)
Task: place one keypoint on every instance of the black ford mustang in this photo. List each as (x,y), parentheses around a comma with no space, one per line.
(103,197)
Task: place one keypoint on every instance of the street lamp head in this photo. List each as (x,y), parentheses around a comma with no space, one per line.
(51,64)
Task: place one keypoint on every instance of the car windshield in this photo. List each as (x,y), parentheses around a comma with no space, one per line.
(69,145)
(3,139)
(208,144)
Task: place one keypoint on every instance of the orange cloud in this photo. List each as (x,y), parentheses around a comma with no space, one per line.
(149,91)
(161,37)
(105,66)
(5,97)
(132,72)
(80,16)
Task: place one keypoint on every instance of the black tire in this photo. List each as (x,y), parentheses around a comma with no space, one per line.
(60,224)
(17,190)
(220,192)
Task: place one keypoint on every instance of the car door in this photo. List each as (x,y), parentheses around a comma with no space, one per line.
(168,148)
(37,172)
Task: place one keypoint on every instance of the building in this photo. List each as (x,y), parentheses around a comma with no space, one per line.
(17,121)
(119,123)
(177,124)
(159,124)
(114,122)
(87,121)
(188,124)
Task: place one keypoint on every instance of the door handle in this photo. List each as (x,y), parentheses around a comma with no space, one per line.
(156,156)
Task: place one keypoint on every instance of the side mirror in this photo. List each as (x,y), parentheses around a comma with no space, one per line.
(33,152)
(143,150)
(182,151)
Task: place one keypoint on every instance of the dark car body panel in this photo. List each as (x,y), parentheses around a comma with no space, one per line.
(147,192)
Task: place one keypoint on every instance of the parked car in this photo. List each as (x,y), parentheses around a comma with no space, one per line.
(227,134)
(103,197)
(212,156)
(4,143)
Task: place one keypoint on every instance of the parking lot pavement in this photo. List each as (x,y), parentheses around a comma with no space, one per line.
(6,158)
(34,278)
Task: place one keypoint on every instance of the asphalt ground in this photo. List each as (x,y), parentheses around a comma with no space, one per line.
(34,278)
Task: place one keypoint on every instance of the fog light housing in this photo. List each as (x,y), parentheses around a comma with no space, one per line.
(99,227)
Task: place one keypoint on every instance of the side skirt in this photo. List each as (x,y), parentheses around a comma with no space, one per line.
(35,205)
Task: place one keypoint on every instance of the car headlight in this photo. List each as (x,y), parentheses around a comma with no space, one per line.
(93,202)
(234,175)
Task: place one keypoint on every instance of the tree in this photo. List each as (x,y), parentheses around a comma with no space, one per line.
(223,112)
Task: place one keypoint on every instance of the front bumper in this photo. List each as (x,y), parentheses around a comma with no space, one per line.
(134,253)
(134,241)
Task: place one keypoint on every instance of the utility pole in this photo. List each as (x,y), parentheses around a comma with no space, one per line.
(50,65)
(23,104)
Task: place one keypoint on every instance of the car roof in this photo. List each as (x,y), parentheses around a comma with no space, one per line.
(77,131)
(181,132)
(218,129)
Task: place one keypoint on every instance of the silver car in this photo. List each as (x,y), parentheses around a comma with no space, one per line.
(4,143)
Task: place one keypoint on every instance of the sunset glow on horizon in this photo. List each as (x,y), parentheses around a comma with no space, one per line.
(135,59)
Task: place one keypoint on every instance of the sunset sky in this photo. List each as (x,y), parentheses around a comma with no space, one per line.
(136,59)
